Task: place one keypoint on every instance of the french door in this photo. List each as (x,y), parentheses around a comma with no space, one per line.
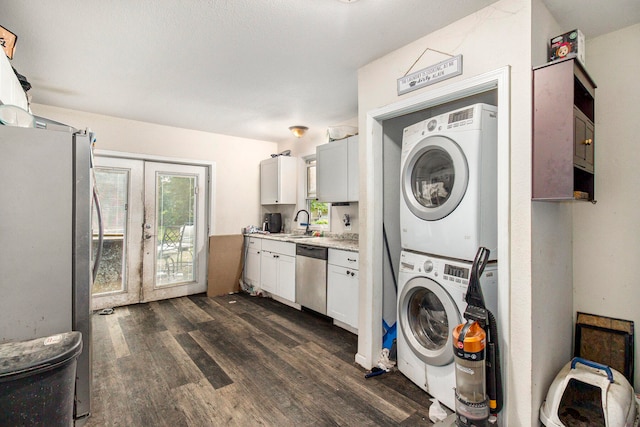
(155,231)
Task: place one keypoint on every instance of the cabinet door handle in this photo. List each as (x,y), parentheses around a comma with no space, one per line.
(351,260)
(587,141)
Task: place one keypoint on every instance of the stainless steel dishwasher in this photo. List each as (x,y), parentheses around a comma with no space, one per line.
(311,277)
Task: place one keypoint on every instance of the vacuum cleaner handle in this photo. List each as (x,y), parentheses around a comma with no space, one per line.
(474,295)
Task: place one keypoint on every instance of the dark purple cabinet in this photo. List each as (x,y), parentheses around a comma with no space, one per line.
(563,132)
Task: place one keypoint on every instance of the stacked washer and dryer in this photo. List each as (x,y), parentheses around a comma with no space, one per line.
(448,210)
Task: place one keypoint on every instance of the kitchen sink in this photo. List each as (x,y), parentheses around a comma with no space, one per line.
(297,236)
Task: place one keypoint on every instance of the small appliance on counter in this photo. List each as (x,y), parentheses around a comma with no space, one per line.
(272,222)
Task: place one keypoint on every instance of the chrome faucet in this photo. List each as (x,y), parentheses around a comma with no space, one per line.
(306,231)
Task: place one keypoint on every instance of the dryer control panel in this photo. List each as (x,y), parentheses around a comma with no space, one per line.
(460,115)
(464,118)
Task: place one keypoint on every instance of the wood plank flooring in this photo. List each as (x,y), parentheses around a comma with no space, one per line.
(238,360)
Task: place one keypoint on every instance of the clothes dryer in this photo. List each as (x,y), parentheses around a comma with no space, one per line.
(449,184)
(431,303)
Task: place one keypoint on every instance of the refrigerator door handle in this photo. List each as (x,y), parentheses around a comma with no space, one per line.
(96,263)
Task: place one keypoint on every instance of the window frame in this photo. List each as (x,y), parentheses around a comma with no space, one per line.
(310,197)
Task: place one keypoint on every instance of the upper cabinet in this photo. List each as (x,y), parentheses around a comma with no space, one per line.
(337,170)
(563,132)
(278,176)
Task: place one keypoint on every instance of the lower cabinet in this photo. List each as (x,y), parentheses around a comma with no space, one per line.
(287,277)
(251,275)
(278,269)
(342,287)
(269,272)
(271,265)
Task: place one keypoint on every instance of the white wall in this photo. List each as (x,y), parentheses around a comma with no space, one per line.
(551,258)
(237,181)
(607,235)
(494,37)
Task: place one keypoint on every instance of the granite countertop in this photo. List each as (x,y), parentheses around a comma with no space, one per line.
(346,241)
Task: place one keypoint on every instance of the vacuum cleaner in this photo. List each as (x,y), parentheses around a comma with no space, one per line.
(477,357)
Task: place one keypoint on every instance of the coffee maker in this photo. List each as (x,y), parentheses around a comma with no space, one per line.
(272,223)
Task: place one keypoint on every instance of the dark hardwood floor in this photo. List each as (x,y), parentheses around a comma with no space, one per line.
(238,360)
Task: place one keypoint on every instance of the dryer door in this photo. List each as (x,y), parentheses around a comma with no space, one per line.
(427,315)
(434,178)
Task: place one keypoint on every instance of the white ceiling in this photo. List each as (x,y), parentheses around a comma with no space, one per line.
(248,68)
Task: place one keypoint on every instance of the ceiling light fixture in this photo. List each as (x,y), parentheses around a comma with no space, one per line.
(298,131)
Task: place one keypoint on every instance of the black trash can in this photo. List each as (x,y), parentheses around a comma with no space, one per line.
(37,380)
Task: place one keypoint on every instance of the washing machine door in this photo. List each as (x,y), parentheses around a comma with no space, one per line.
(427,315)
(434,178)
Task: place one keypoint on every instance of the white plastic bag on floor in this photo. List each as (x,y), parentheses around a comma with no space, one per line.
(384,362)
(436,413)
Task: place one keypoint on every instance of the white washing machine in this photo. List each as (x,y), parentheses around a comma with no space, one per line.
(430,305)
(449,184)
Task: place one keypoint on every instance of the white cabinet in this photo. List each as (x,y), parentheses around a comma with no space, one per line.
(251,274)
(278,269)
(278,180)
(287,277)
(269,272)
(353,170)
(337,170)
(342,286)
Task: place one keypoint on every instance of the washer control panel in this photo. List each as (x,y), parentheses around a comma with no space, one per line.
(448,271)
(412,262)
(456,273)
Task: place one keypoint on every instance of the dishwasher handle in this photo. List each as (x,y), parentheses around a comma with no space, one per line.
(310,251)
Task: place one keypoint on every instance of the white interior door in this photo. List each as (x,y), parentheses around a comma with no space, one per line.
(155,242)
(175,231)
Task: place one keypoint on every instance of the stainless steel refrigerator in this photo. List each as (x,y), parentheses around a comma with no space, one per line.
(45,240)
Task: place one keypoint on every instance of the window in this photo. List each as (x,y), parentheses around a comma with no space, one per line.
(320,212)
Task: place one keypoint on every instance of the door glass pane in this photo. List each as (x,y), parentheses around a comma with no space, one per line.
(175,219)
(432,178)
(112,185)
(428,320)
